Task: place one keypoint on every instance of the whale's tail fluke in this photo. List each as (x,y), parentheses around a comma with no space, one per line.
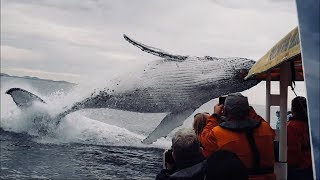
(23,98)
(155,51)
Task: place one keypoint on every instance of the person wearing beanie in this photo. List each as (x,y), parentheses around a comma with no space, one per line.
(236,127)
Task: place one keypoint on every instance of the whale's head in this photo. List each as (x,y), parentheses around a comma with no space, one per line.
(222,76)
(239,68)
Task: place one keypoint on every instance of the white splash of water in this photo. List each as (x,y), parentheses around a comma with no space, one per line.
(79,129)
(74,128)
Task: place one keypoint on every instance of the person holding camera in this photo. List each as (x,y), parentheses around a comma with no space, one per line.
(185,159)
(236,127)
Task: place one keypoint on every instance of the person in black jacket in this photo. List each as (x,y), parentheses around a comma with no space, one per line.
(225,165)
(185,160)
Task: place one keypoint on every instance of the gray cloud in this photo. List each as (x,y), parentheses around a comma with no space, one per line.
(261,5)
(85,37)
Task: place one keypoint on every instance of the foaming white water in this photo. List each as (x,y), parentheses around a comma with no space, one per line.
(32,120)
(129,130)
(16,120)
(164,143)
(76,128)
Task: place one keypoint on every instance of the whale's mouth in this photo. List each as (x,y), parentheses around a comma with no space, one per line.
(242,73)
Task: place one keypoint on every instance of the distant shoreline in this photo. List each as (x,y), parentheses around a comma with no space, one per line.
(34,78)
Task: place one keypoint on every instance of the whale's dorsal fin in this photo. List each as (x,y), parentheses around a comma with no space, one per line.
(23,98)
(155,51)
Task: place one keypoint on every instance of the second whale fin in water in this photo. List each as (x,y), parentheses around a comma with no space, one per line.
(23,98)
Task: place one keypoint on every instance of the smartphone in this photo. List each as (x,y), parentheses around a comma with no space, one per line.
(222,99)
(167,158)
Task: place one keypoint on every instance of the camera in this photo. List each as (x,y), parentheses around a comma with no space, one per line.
(168,157)
(168,161)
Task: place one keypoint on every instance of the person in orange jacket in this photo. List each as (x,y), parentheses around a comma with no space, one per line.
(298,142)
(236,127)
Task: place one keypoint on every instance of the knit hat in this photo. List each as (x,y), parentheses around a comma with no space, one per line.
(236,105)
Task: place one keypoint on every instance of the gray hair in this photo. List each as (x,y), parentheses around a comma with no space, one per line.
(185,143)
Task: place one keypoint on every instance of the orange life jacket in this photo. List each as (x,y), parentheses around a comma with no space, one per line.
(298,142)
(216,136)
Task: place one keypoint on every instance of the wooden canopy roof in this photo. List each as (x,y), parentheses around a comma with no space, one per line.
(287,49)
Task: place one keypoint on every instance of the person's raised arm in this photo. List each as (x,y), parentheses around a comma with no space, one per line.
(207,138)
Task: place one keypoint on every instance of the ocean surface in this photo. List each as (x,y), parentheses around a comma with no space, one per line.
(88,144)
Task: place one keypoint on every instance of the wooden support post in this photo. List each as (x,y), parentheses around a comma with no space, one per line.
(268,97)
(285,80)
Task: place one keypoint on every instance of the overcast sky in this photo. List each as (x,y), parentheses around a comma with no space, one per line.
(75,40)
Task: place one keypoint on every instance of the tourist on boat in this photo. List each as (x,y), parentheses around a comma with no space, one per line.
(225,165)
(244,132)
(199,122)
(278,120)
(289,115)
(298,142)
(186,160)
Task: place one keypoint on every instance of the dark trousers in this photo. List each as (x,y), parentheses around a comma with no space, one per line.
(300,174)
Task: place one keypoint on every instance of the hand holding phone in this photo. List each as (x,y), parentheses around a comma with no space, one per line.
(222,99)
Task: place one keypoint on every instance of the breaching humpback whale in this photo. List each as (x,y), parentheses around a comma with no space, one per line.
(175,84)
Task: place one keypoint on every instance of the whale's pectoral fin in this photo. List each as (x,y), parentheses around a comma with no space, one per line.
(23,98)
(155,51)
(169,123)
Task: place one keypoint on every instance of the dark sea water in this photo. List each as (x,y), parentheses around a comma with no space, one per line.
(23,158)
